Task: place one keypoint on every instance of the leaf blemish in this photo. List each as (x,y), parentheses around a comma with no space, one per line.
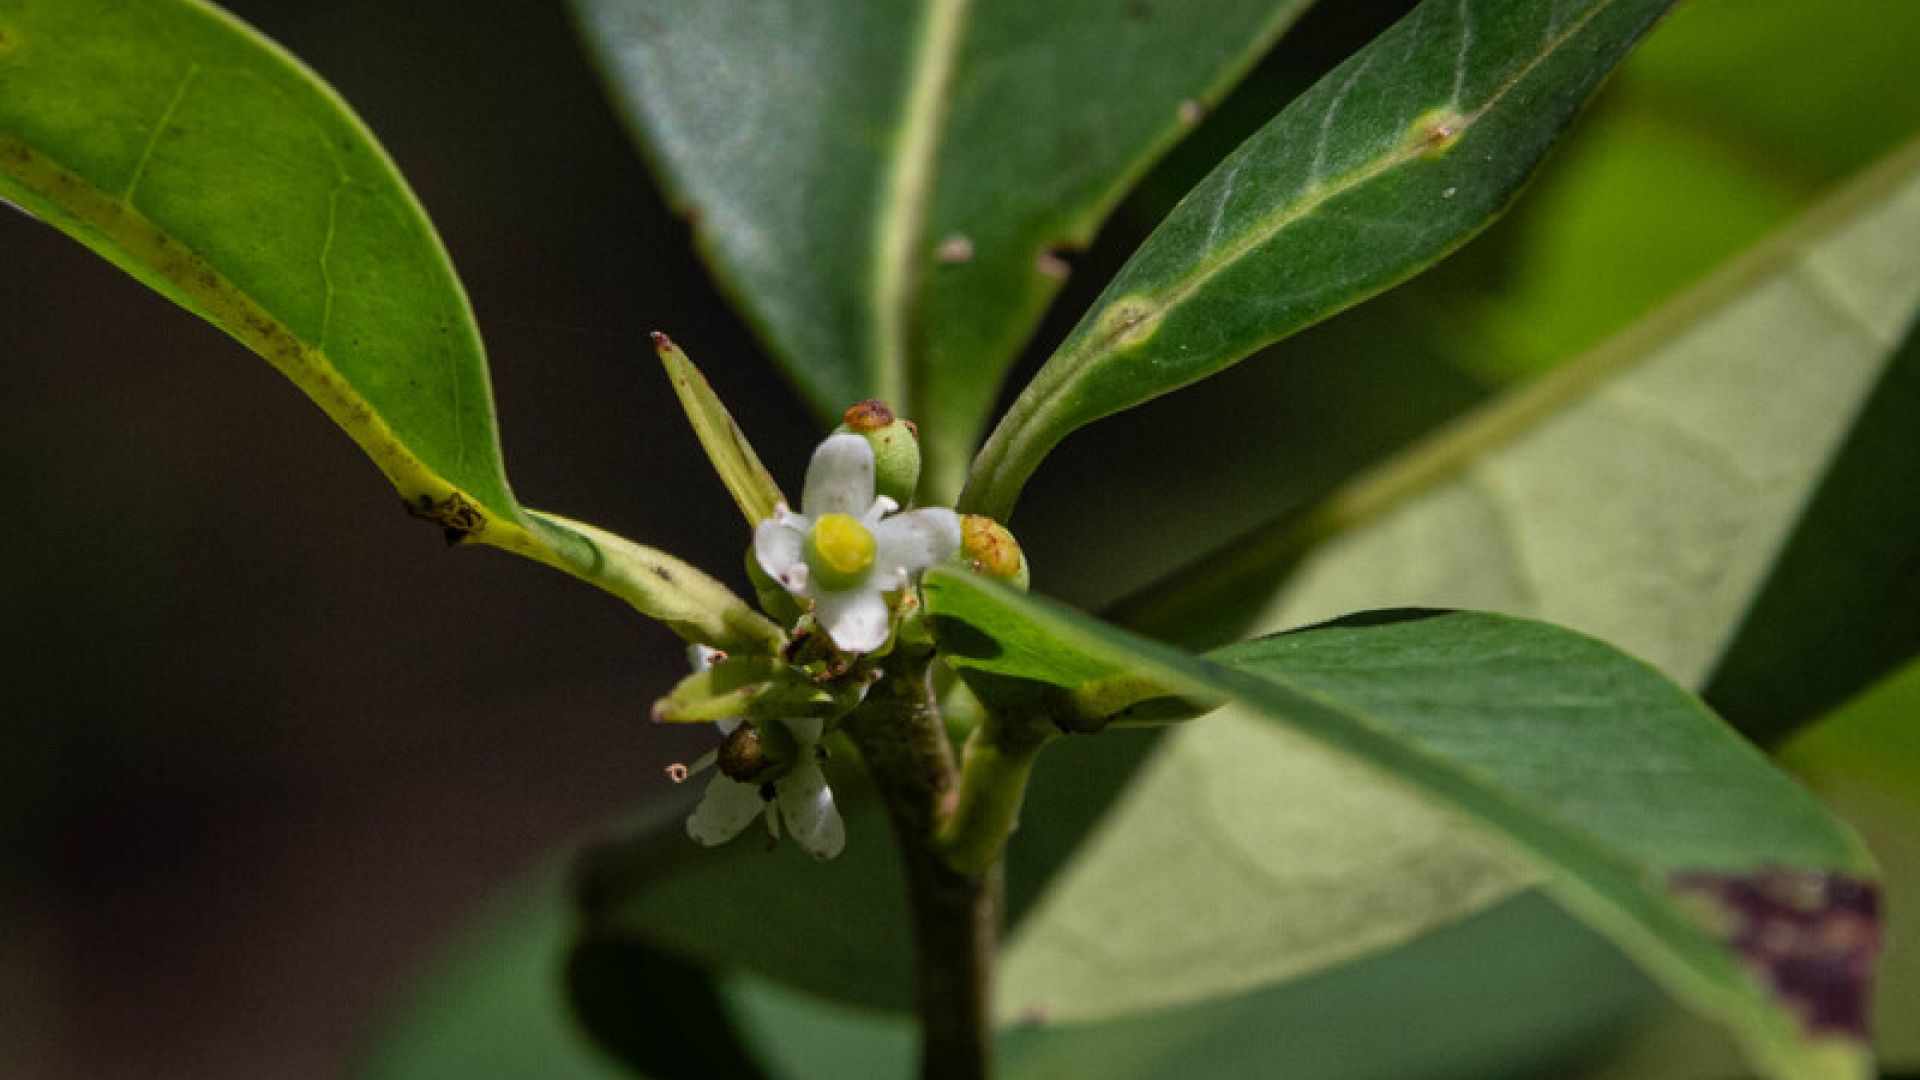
(1129,322)
(1812,937)
(459,517)
(1435,131)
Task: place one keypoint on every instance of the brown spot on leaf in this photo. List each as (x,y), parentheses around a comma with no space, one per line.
(458,517)
(1192,111)
(1050,264)
(1812,937)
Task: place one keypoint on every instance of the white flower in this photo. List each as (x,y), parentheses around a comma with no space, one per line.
(799,795)
(847,548)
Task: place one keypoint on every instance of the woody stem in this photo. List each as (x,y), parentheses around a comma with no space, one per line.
(956,914)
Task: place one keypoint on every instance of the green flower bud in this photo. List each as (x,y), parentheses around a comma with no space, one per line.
(896,448)
(986,547)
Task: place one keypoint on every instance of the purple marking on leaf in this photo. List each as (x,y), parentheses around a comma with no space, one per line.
(1812,937)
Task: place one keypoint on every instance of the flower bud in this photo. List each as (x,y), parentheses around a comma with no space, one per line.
(896,448)
(741,757)
(986,547)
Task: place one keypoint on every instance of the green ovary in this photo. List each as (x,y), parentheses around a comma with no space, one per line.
(839,552)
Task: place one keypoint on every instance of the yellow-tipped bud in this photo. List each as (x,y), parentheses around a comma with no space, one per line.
(986,547)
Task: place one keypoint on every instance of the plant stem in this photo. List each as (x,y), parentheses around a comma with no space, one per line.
(994,769)
(956,914)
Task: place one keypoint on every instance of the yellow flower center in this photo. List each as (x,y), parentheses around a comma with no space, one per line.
(839,552)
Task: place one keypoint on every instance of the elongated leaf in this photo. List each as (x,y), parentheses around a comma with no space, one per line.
(1639,495)
(1643,813)
(1390,162)
(202,160)
(883,185)
(1841,605)
(1640,499)
(198,157)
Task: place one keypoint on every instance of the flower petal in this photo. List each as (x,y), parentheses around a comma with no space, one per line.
(915,540)
(840,477)
(780,545)
(856,620)
(807,804)
(727,807)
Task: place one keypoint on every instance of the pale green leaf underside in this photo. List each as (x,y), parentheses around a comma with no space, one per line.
(1598,773)
(1638,497)
(882,185)
(198,157)
(1391,161)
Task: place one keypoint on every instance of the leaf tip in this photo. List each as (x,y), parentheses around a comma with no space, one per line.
(1812,937)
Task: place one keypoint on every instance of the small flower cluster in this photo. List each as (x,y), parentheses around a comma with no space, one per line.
(849,554)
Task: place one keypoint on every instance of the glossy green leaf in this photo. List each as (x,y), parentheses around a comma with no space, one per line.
(1390,162)
(195,155)
(1638,808)
(201,159)
(748,481)
(884,186)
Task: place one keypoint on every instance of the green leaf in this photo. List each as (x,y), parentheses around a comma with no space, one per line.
(1390,162)
(1640,494)
(1841,605)
(493,1005)
(1520,990)
(200,158)
(1636,807)
(747,480)
(883,186)
(838,929)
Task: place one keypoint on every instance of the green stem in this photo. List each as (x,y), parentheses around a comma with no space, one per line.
(994,770)
(956,913)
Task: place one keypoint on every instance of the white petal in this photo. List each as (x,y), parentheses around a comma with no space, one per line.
(856,620)
(700,657)
(807,804)
(882,506)
(726,724)
(915,540)
(840,477)
(780,545)
(728,807)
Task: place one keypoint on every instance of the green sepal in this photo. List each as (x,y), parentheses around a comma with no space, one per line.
(747,480)
(753,687)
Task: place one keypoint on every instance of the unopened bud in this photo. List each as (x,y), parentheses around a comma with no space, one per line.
(741,757)
(986,547)
(896,448)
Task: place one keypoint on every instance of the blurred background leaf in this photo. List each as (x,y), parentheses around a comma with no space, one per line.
(887,189)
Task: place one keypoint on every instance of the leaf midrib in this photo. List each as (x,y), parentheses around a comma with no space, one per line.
(1407,150)
(909,194)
